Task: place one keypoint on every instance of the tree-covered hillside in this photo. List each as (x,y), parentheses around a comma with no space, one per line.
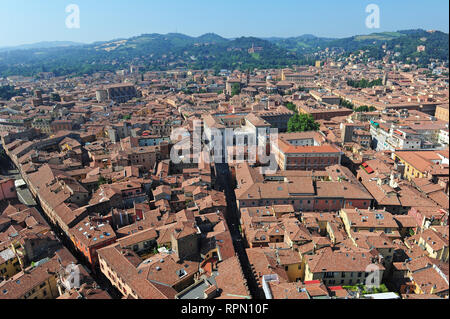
(163,52)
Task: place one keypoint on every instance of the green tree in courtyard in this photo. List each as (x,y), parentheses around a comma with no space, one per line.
(302,123)
(291,106)
(235,89)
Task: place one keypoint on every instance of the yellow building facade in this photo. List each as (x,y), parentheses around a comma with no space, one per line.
(9,264)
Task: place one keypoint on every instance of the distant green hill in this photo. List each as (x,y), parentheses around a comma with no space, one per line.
(384,36)
(41,45)
(303,44)
(404,42)
(162,52)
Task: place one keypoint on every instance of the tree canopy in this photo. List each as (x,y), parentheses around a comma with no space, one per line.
(302,123)
(363,83)
(365,108)
(347,104)
(291,106)
(8,91)
(235,89)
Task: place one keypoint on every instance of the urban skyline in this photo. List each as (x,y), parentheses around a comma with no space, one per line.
(196,169)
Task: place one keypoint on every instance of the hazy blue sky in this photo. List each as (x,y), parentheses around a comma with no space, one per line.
(29,21)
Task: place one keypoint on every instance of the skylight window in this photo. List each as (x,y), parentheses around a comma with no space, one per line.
(181,273)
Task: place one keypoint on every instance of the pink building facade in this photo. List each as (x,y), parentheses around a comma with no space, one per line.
(7,189)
